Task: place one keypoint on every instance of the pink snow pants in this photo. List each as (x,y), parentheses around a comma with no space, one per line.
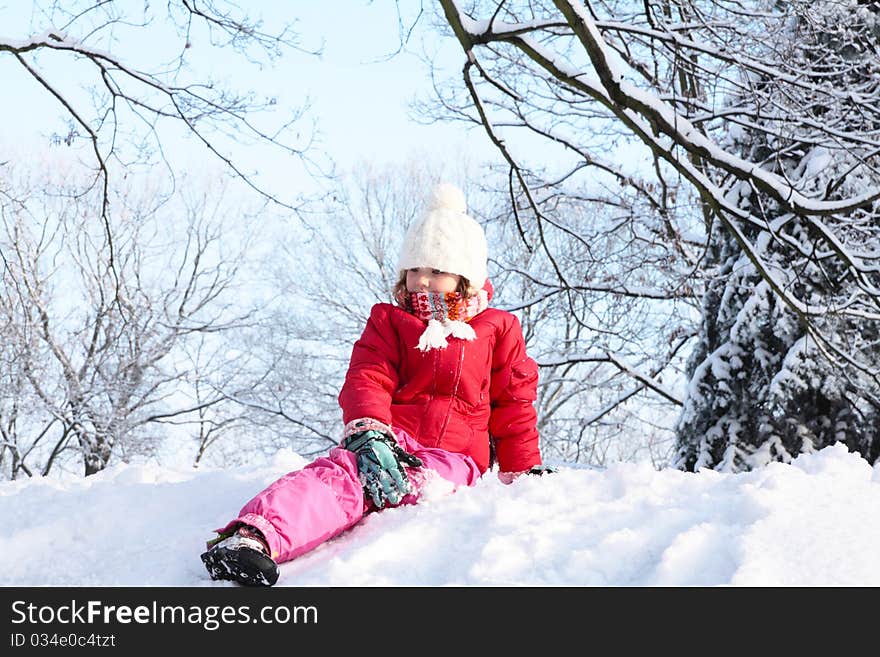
(306,507)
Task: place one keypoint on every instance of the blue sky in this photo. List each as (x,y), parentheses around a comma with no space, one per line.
(359,92)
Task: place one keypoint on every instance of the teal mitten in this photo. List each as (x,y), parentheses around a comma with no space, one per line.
(381,466)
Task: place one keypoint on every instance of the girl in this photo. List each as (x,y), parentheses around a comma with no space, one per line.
(434,383)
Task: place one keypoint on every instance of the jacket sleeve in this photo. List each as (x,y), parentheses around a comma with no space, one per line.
(372,374)
(513,390)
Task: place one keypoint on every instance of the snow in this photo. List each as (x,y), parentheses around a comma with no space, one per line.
(813,522)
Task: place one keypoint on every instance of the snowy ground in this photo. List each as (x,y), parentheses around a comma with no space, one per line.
(815,522)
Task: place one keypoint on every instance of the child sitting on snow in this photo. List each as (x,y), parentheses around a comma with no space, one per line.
(431,378)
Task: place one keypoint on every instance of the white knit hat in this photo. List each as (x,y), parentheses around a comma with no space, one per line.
(446,238)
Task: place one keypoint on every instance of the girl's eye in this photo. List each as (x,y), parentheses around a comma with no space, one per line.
(436,272)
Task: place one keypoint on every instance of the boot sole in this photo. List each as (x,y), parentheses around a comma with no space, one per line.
(244,565)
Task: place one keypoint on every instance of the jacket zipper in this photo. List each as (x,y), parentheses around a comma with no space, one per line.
(455,382)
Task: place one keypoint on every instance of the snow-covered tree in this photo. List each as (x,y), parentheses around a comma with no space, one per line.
(93,353)
(756,126)
(762,387)
(126,89)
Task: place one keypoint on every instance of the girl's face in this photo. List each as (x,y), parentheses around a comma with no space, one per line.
(425,279)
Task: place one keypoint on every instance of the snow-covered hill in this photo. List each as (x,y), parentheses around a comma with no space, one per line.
(815,522)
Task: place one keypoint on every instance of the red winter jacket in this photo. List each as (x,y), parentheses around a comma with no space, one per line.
(453,398)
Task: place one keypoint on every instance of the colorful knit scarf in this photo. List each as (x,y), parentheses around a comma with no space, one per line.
(447,313)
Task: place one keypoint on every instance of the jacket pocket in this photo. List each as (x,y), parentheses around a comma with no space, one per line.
(523,384)
(458,435)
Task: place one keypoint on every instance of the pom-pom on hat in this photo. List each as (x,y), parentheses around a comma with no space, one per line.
(446,238)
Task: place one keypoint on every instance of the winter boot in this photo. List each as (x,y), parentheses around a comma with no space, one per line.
(242,557)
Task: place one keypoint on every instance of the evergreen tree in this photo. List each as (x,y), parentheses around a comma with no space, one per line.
(768,381)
